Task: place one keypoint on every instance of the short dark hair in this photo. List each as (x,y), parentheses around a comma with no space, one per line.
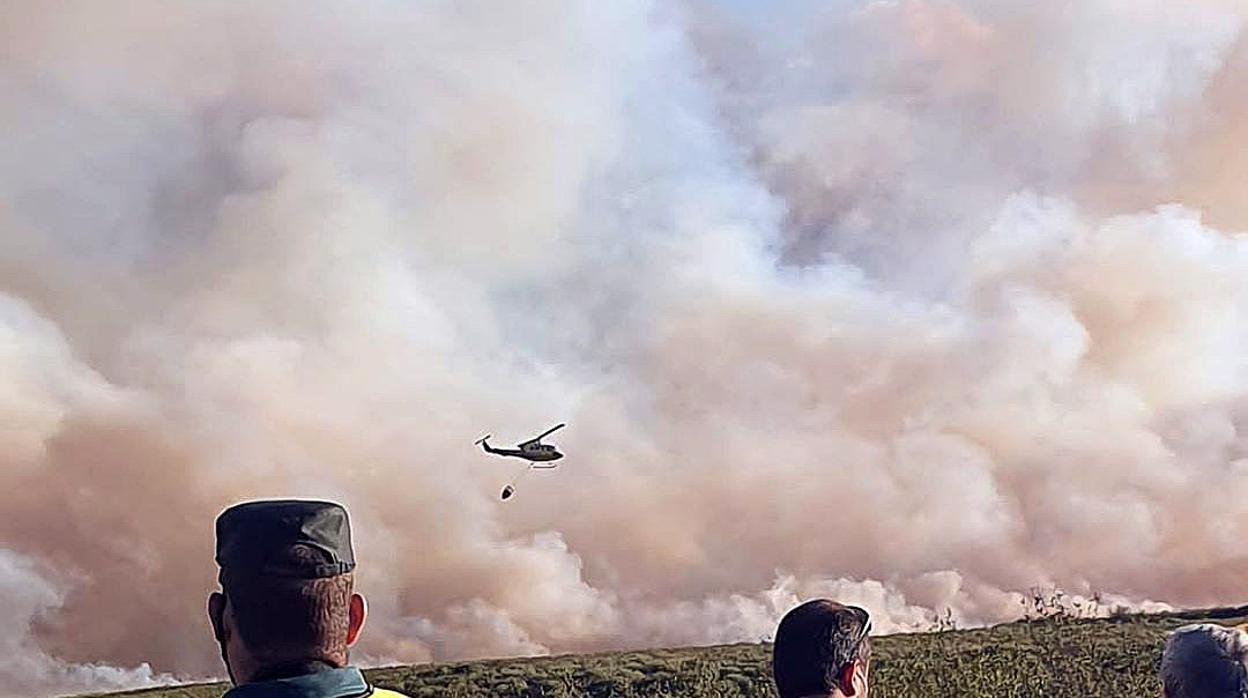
(814,644)
(288,618)
(1205,661)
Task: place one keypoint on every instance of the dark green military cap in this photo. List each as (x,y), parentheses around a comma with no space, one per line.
(261,539)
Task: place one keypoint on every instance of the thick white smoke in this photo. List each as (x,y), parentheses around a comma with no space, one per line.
(28,597)
(917,304)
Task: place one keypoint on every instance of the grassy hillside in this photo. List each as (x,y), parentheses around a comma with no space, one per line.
(1054,656)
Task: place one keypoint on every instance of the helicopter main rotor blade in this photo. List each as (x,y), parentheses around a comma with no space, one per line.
(538,439)
(550,431)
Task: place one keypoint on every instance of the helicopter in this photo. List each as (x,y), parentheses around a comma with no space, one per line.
(532,450)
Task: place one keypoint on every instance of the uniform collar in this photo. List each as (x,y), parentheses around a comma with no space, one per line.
(347,682)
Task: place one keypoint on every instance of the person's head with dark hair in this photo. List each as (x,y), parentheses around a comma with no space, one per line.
(822,649)
(287,606)
(1205,661)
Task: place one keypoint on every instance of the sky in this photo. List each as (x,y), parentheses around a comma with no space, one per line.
(915,304)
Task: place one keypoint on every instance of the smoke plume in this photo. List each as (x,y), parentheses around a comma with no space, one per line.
(918,304)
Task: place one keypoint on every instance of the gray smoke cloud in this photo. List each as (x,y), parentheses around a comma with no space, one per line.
(918,304)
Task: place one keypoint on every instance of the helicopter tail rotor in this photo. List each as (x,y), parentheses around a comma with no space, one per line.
(482,439)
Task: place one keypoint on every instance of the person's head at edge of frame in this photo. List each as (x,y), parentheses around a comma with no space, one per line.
(287,604)
(1205,660)
(822,648)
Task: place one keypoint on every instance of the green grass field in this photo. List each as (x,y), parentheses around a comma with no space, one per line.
(1052,656)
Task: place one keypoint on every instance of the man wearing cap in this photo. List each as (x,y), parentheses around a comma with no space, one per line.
(822,649)
(287,611)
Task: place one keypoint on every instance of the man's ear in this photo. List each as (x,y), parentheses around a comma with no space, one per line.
(846,679)
(216,614)
(359,609)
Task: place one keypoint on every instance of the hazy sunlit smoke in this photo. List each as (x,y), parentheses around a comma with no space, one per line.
(915,304)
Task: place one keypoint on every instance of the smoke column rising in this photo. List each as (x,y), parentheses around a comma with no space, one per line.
(917,304)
